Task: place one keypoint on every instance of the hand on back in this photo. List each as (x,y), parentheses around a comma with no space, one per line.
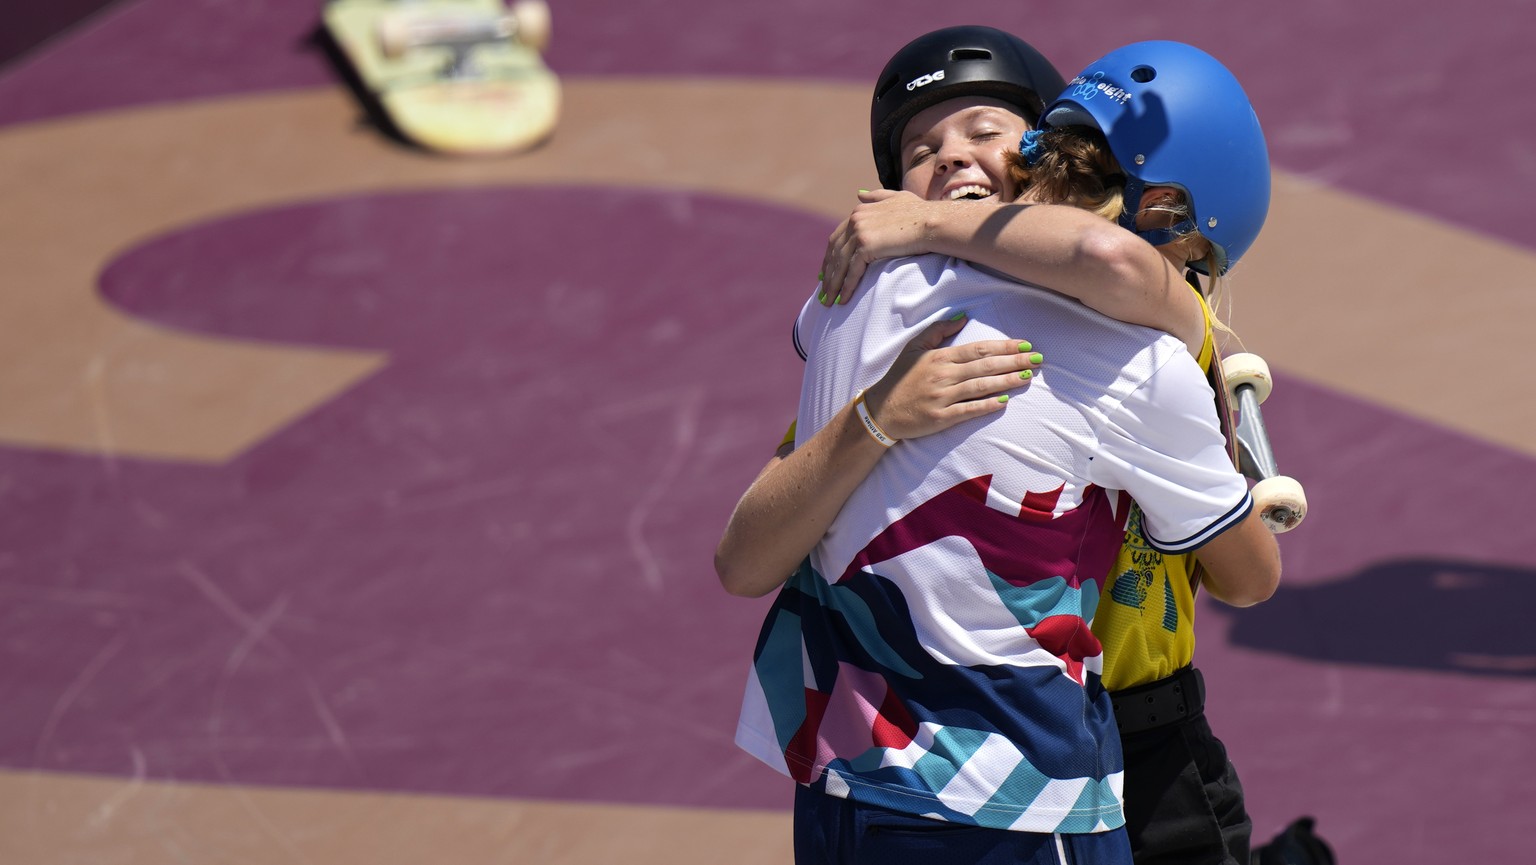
(931,388)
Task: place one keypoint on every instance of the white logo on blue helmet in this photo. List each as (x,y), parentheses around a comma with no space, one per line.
(1085,89)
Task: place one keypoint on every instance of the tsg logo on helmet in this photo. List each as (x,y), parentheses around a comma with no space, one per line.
(926,80)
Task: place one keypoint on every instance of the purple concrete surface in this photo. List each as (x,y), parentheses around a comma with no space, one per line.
(1422,109)
(1390,686)
(486,570)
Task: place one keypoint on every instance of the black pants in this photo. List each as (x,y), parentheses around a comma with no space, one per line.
(1183,801)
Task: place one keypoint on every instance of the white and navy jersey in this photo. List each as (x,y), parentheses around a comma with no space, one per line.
(933,655)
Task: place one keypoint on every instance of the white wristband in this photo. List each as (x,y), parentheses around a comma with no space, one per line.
(870,426)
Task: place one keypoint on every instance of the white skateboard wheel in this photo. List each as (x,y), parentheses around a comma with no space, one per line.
(533,23)
(1244,368)
(395,36)
(1282,503)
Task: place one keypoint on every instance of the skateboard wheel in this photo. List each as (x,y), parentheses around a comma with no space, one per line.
(1244,368)
(1282,503)
(394,36)
(533,23)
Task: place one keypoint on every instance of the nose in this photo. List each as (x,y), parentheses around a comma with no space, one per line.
(953,155)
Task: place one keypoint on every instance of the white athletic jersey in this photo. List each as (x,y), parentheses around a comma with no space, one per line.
(1115,405)
(933,655)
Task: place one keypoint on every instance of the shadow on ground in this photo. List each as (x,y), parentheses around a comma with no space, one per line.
(1434,614)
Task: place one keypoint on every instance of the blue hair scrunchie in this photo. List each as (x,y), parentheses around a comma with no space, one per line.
(1031,147)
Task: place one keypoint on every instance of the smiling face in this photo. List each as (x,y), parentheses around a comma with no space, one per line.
(956,149)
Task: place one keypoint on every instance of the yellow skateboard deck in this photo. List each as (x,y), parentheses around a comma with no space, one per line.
(455,76)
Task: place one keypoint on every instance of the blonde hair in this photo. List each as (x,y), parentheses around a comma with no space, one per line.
(1073,165)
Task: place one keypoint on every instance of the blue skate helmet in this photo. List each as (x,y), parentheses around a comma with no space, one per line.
(1174,116)
(969,60)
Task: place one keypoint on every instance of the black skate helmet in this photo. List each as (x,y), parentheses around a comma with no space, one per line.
(969,60)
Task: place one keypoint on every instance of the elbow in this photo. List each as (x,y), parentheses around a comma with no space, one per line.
(1258,585)
(1252,594)
(730,577)
(739,581)
(1268,581)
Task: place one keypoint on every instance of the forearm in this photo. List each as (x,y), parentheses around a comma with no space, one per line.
(1073,252)
(795,498)
(787,510)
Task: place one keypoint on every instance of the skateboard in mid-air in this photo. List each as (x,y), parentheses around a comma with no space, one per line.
(1245,384)
(454,76)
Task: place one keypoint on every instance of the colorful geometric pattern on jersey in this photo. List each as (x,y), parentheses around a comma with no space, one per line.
(1146,617)
(852,689)
(933,656)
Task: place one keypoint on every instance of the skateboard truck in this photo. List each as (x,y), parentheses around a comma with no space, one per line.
(527,22)
(1281,501)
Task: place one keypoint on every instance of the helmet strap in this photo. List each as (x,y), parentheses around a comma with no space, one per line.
(1165,236)
(1130,203)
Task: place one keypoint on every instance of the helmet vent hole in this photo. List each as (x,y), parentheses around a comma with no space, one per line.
(1143,74)
(970,54)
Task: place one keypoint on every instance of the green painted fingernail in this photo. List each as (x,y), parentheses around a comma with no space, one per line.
(1003,398)
(957,316)
(1037,357)
(1027,374)
(821,275)
(863,191)
(1024,346)
(821,298)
